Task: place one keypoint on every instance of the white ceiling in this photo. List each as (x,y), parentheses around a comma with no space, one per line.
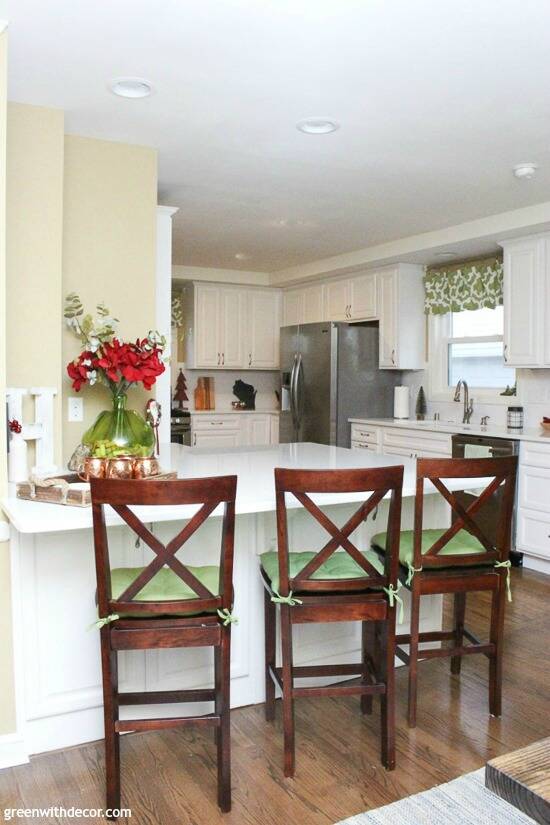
(437,100)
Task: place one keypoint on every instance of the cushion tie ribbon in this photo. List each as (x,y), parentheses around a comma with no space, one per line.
(227,617)
(391,593)
(107,620)
(290,599)
(412,571)
(507,564)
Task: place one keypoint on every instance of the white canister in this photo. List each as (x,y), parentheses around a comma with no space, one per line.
(400,402)
(18,469)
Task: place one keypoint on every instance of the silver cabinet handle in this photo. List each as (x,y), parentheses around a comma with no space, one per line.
(249,359)
(505,353)
(194,439)
(219,359)
(223,359)
(393,357)
(216,423)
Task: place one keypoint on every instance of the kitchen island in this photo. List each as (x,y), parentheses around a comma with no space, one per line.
(56,646)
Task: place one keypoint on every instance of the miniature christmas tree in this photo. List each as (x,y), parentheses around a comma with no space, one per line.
(421,407)
(181,390)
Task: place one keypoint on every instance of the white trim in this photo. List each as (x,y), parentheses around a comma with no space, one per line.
(164,310)
(4,531)
(3,26)
(12,751)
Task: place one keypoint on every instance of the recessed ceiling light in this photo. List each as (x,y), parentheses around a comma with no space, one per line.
(445,255)
(525,171)
(242,256)
(317,125)
(130,87)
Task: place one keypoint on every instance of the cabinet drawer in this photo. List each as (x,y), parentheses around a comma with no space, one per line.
(365,433)
(364,445)
(533,533)
(535,454)
(215,423)
(413,441)
(534,488)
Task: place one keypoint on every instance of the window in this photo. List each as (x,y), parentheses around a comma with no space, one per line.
(475,349)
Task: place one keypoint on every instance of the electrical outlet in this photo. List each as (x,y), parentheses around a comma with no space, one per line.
(75,410)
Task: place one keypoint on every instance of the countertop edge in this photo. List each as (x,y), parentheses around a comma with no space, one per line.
(444,428)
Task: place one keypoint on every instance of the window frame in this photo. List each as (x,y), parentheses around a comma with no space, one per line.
(439,338)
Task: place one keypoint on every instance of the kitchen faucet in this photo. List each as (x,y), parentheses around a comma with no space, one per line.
(468,402)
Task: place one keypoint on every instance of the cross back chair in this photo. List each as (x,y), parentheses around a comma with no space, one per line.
(337,583)
(457,560)
(165,604)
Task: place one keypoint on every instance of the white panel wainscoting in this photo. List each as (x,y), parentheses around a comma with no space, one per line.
(59,672)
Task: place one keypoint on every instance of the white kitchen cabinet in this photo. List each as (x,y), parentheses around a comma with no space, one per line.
(314,304)
(402,321)
(524,288)
(263,312)
(230,327)
(363,297)
(337,300)
(533,517)
(234,429)
(207,327)
(415,443)
(293,307)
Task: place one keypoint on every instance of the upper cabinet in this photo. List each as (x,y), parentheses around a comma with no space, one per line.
(338,300)
(363,298)
(230,327)
(303,305)
(526,302)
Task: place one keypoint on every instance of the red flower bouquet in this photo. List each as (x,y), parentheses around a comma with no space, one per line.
(118,365)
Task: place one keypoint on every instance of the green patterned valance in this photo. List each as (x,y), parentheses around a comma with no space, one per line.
(469,285)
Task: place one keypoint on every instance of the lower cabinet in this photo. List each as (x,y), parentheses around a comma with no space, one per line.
(234,430)
(533,516)
(400,441)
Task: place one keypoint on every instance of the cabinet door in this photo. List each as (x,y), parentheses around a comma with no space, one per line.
(232,328)
(207,326)
(293,307)
(220,439)
(363,296)
(337,300)
(258,429)
(274,429)
(387,308)
(263,330)
(314,300)
(523,262)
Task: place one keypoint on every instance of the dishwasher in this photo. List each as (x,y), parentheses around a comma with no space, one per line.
(480,446)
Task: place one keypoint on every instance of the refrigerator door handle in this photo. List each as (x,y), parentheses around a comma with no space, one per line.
(299,390)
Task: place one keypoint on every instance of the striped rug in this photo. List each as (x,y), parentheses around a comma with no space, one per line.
(460,802)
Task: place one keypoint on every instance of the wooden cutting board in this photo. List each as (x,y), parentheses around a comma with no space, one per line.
(522,778)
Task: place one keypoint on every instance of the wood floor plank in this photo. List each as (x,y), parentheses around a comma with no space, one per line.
(169,776)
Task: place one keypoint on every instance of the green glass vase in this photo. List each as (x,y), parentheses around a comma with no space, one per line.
(120,432)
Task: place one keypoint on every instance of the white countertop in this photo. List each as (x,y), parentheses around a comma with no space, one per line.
(255,490)
(527,434)
(231,411)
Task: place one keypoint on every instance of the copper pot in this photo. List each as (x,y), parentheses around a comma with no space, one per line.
(146,467)
(121,468)
(93,468)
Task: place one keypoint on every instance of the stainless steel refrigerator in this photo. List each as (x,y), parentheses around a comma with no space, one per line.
(330,373)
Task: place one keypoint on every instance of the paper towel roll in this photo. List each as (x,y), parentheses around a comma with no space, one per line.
(401,402)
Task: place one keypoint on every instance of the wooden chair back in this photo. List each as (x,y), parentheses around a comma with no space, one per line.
(301,483)
(502,472)
(121,495)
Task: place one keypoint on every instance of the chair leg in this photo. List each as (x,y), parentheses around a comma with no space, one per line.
(497,638)
(270,648)
(387,673)
(222,658)
(459,613)
(367,650)
(110,710)
(413,651)
(288,699)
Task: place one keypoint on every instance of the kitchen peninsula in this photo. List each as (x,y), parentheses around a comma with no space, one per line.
(53,577)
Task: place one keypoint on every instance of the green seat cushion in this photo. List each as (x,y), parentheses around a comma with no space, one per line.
(463,544)
(339,565)
(164,586)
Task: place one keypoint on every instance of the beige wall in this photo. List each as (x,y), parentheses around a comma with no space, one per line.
(34,248)
(7,705)
(109,251)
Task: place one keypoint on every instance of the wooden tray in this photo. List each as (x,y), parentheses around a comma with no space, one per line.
(64,493)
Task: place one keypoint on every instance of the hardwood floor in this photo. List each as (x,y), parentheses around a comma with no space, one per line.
(169,777)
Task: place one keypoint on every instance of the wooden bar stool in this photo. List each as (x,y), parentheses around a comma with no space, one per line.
(165,604)
(458,560)
(329,586)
